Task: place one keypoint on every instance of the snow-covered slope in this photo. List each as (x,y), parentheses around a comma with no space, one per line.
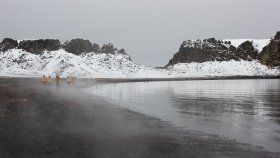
(19,63)
(223,68)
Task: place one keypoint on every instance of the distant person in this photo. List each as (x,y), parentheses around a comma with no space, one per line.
(49,79)
(57,81)
(69,80)
(57,78)
(44,78)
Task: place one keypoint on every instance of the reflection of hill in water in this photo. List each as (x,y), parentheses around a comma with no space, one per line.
(245,110)
(249,97)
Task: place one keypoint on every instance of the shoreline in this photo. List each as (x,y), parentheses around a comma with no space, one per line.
(113,80)
(48,121)
(184,79)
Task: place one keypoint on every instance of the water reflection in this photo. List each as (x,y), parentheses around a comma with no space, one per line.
(245,110)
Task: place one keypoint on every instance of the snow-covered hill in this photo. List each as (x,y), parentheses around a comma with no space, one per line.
(81,58)
(19,63)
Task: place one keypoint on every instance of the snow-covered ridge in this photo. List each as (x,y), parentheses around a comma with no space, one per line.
(19,63)
(212,49)
(257,43)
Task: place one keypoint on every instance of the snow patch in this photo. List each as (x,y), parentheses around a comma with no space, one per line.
(257,43)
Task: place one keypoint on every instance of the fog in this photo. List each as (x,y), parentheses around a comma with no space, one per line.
(150,31)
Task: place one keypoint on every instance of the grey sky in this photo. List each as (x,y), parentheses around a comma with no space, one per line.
(151,31)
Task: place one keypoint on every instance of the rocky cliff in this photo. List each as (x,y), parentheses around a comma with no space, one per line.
(270,55)
(7,44)
(74,46)
(217,50)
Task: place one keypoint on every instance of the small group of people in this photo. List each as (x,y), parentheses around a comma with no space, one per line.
(46,79)
(69,79)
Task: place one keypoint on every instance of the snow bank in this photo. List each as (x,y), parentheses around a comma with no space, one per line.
(18,63)
(223,68)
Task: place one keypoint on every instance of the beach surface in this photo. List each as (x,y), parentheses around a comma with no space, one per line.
(59,120)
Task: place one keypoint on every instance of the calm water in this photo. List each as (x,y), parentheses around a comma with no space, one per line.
(245,110)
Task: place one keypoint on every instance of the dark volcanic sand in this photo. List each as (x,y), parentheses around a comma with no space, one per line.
(40,120)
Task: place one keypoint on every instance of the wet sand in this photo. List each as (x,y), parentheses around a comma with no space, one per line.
(41,120)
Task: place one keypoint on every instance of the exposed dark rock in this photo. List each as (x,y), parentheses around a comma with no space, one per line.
(227,42)
(277,36)
(213,50)
(231,49)
(211,40)
(203,51)
(270,55)
(75,46)
(7,44)
(78,46)
(38,46)
(246,51)
(96,48)
(108,48)
(121,51)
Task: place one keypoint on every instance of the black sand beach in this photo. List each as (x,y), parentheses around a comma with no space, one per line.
(58,121)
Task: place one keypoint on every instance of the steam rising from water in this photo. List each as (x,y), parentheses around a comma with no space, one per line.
(245,110)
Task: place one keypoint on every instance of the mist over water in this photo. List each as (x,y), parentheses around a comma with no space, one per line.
(245,110)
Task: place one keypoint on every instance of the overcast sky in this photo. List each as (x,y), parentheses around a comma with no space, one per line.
(151,31)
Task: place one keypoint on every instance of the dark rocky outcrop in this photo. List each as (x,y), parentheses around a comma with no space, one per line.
(38,46)
(7,44)
(277,36)
(96,48)
(270,55)
(75,46)
(121,51)
(246,51)
(213,50)
(78,46)
(108,48)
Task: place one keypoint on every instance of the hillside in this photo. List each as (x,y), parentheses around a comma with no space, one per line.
(265,51)
(196,58)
